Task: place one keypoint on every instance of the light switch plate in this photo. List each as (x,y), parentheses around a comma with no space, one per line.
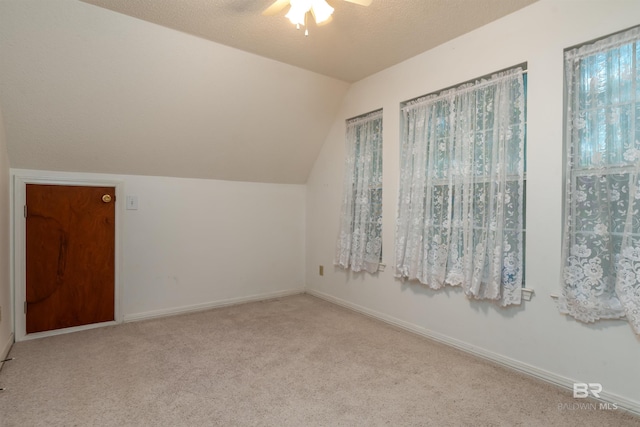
(132,203)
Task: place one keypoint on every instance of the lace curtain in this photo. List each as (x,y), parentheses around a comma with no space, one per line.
(460,208)
(601,244)
(360,239)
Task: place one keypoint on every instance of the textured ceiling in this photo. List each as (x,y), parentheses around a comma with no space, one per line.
(358,42)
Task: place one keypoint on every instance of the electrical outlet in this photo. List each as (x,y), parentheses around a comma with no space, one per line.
(321,270)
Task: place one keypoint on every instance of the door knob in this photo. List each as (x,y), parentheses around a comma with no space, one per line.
(106,198)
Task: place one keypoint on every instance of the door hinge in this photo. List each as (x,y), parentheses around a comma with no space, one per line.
(25,211)
(25,307)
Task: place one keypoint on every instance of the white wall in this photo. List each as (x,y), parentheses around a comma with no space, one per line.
(534,337)
(197,243)
(90,90)
(6,326)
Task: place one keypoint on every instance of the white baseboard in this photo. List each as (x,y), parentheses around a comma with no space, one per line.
(621,402)
(54,332)
(7,347)
(206,306)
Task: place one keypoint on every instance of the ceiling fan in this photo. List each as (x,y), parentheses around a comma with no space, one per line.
(320,10)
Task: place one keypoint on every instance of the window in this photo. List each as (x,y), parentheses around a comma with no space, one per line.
(601,243)
(360,239)
(461,199)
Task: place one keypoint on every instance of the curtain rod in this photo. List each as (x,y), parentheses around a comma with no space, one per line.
(364,116)
(593,41)
(522,65)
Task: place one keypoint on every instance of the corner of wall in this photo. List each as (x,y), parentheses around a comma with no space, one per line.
(6,309)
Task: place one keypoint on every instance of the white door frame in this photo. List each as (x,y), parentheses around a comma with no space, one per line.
(18,221)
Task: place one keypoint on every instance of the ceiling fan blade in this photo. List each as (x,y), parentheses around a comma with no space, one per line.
(360,2)
(275,7)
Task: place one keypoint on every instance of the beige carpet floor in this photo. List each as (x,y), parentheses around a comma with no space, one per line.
(295,361)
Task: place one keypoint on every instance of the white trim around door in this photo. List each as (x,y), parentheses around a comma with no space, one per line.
(18,249)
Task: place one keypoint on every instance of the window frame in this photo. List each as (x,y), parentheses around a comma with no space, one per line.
(351,253)
(406,267)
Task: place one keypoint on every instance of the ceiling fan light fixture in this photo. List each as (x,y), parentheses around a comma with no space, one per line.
(298,10)
(320,9)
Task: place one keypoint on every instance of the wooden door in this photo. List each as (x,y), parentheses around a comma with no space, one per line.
(70,256)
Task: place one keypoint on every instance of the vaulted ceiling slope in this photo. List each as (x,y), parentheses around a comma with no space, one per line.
(232,95)
(86,89)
